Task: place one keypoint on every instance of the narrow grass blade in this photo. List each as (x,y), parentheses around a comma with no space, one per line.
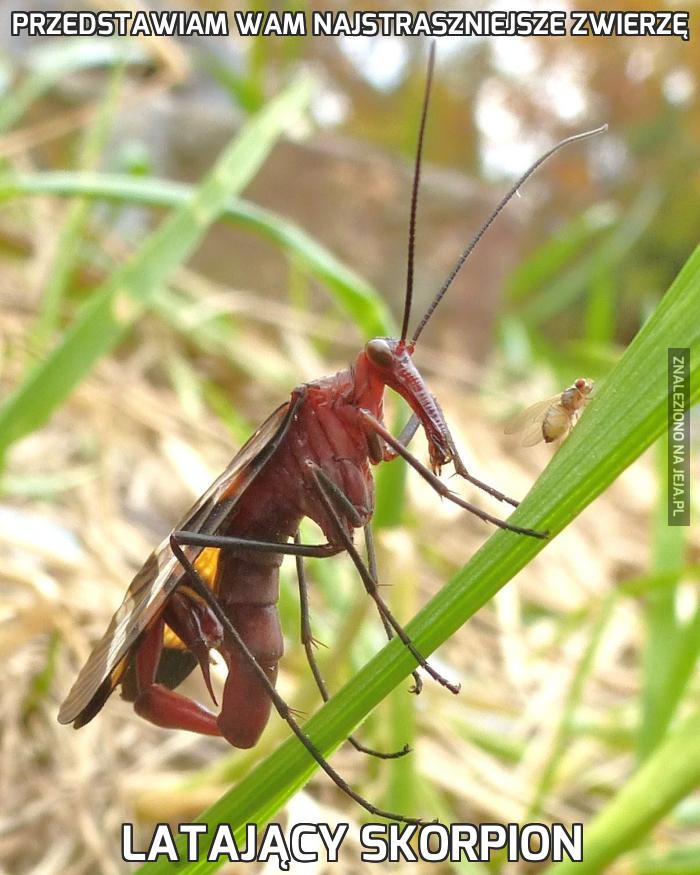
(113,307)
(601,317)
(573,284)
(665,673)
(551,258)
(571,703)
(611,434)
(669,774)
(67,251)
(353,294)
(56,59)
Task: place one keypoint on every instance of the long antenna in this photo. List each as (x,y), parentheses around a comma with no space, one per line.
(487,224)
(414,197)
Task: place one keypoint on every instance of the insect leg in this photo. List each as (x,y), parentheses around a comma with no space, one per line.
(314,551)
(326,495)
(307,640)
(461,470)
(299,551)
(406,437)
(282,708)
(372,566)
(437,484)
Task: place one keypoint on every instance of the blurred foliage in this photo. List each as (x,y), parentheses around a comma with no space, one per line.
(602,233)
(493,94)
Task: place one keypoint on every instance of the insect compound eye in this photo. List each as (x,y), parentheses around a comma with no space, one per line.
(379,352)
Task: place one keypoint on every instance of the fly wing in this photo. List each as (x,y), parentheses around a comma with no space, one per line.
(533,433)
(535,413)
(161,573)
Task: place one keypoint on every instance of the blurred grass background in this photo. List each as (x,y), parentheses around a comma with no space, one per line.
(151,372)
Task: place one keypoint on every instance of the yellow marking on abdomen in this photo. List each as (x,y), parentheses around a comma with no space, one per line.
(206,565)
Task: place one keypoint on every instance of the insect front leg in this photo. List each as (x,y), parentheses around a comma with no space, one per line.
(461,471)
(406,436)
(372,424)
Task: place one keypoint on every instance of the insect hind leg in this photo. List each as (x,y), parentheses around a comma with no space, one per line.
(282,708)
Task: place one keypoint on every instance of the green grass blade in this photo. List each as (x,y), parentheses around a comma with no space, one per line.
(67,249)
(674,861)
(645,583)
(54,60)
(573,698)
(601,318)
(574,283)
(551,258)
(669,774)
(353,294)
(613,432)
(665,672)
(113,307)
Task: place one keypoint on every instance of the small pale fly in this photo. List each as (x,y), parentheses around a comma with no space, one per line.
(552,419)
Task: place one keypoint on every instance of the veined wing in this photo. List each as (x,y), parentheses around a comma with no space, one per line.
(534,432)
(161,573)
(535,413)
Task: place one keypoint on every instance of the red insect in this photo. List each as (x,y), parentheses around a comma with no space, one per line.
(213,582)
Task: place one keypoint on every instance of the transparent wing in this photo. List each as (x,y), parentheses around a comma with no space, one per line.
(535,413)
(161,573)
(533,433)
